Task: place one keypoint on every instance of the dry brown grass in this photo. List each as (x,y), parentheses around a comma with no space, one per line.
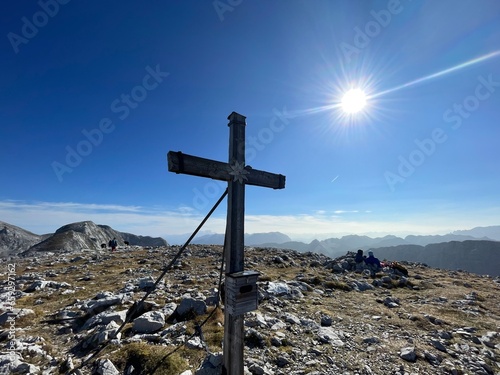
(347,308)
(150,359)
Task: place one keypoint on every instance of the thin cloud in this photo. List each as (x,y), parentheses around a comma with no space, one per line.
(47,217)
(66,206)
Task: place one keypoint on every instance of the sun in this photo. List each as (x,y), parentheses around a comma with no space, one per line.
(353,101)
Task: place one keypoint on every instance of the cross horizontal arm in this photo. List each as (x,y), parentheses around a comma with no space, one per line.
(196,166)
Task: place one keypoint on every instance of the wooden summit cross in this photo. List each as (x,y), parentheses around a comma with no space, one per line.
(237,175)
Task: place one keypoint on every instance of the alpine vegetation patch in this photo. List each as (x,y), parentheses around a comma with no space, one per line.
(121,106)
(30,27)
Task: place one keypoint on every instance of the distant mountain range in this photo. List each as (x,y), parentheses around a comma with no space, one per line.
(492,232)
(475,250)
(71,237)
(482,257)
(339,246)
(335,247)
(250,239)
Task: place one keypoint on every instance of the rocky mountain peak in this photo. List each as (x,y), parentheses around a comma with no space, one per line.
(87,227)
(315,315)
(68,238)
(13,238)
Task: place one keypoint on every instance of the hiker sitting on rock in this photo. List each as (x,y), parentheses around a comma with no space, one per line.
(359,257)
(360,260)
(372,263)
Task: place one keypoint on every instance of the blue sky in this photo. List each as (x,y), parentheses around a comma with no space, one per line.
(94,95)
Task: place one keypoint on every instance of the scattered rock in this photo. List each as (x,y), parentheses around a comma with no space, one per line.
(42,284)
(327,335)
(189,306)
(100,335)
(326,321)
(212,365)
(408,354)
(102,301)
(278,289)
(147,284)
(310,319)
(106,317)
(438,345)
(14,314)
(106,367)
(149,322)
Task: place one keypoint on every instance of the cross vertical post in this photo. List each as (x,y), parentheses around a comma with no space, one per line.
(233,324)
(237,176)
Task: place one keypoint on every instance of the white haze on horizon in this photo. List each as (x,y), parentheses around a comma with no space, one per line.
(47,217)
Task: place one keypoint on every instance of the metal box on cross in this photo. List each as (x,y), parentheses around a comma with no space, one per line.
(241,292)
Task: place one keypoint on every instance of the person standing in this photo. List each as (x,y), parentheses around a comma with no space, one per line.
(113,244)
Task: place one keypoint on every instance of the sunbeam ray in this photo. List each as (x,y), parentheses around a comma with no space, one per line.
(338,105)
(438,74)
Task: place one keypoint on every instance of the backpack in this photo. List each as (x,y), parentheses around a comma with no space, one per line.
(400,268)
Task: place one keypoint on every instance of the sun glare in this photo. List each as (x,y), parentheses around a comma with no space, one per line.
(353,101)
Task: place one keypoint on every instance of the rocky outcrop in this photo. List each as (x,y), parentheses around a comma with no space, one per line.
(14,239)
(76,236)
(135,240)
(316,315)
(149,322)
(86,235)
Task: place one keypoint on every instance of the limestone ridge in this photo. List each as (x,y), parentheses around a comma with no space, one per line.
(70,237)
(13,238)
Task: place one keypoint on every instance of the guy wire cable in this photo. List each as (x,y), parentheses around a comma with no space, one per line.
(217,305)
(133,309)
